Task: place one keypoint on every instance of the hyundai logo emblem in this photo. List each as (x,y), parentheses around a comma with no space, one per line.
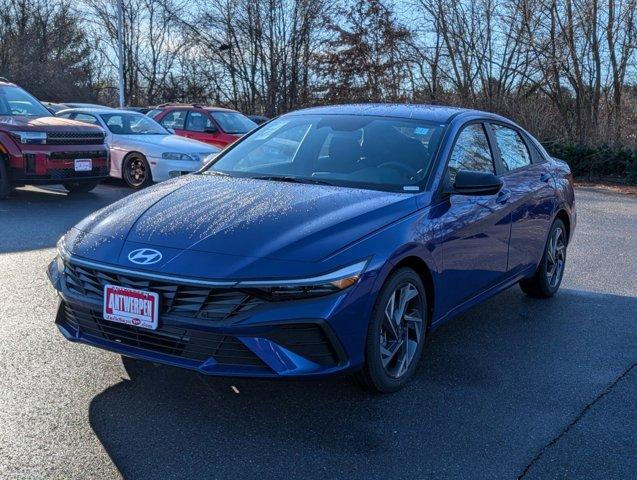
(144,256)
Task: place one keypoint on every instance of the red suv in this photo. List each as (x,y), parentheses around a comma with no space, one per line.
(214,125)
(37,148)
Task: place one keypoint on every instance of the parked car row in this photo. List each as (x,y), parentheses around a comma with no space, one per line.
(44,143)
(39,149)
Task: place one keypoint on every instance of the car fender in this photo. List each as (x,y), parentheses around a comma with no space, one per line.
(9,147)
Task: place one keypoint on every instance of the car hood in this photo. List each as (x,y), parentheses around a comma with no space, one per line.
(246,217)
(165,143)
(44,124)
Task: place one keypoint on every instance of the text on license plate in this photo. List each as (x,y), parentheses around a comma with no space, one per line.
(83,165)
(130,306)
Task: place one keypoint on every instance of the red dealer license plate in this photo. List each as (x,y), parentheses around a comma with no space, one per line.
(130,306)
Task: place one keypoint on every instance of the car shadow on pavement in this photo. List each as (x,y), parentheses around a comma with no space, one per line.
(496,385)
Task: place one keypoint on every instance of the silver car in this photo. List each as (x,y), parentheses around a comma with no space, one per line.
(142,151)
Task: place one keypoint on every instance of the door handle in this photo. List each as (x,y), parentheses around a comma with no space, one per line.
(545,177)
(503,196)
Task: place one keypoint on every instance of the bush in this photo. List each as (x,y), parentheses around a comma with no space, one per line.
(597,163)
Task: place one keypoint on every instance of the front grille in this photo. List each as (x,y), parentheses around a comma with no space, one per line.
(75,138)
(307,340)
(183,300)
(76,155)
(71,174)
(190,344)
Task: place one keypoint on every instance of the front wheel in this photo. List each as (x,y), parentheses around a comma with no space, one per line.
(136,171)
(396,333)
(80,187)
(547,278)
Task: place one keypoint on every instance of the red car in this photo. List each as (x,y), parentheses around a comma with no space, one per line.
(39,149)
(214,125)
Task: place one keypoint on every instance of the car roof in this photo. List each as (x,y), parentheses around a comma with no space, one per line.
(87,105)
(433,113)
(194,106)
(99,111)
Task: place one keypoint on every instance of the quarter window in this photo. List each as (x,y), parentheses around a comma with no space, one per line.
(175,119)
(471,152)
(513,150)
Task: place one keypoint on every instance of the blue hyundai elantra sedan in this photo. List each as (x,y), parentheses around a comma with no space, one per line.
(329,240)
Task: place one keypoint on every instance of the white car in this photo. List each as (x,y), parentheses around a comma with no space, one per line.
(142,151)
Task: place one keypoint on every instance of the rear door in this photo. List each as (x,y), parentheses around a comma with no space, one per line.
(529,190)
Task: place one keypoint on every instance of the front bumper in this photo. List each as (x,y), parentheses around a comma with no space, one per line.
(166,169)
(58,166)
(272,339)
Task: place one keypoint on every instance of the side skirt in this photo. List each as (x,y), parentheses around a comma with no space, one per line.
(481,297)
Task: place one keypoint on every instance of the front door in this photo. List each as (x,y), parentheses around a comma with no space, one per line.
(200,126)
(474,230)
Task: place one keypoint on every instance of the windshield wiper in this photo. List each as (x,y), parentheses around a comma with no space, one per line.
(290,179)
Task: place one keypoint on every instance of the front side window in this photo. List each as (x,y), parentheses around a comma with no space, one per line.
(198,122)
(513,150)
(233,122)
(86,118)
(175,119)
(471,152)
(349,150)
(132,124)
(16,102)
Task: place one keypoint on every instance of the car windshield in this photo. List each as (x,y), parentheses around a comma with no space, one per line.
(15,101)
(360,151)
(233,122)
(132,124)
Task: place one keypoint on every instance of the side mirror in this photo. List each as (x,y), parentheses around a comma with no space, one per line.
(210,130)
(475,183)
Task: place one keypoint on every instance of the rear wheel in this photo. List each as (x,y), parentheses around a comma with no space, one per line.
(396,334)
(136,171)
(546,280)
(5,182)
(80,187)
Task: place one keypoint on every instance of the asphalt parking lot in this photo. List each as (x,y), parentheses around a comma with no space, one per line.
(515,388)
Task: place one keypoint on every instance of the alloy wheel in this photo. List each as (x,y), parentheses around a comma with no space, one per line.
(401,330)
(555,257)
(136,172)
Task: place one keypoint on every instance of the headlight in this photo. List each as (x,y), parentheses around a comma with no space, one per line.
(178,156)
(309,287)
(35,138)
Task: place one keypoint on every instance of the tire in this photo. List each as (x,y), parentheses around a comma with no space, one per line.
(385,370)
(546,280)
(136,171)
(5,182)
(80,187)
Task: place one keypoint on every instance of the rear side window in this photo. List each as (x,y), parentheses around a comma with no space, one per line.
(175,119)
(471,152)
(154,113)
(513,150)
